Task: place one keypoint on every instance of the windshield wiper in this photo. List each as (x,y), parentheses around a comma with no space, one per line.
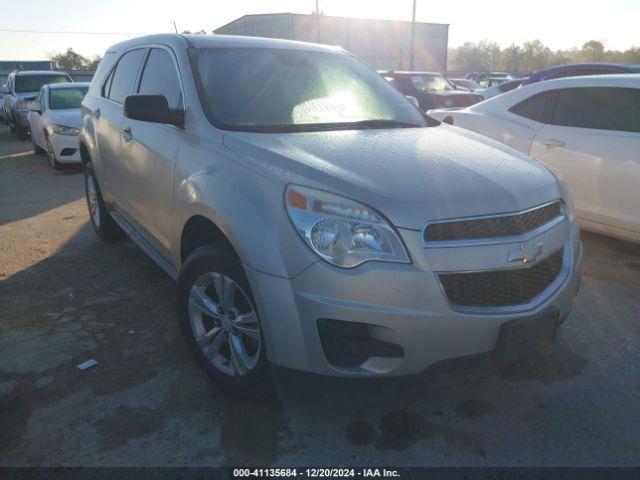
(323,127)
(383,123)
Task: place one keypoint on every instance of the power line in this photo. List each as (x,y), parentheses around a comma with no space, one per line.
(70,32)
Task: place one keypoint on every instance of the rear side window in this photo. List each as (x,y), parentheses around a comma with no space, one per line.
(538,108)
(124,76)
(599,108)
(161,78)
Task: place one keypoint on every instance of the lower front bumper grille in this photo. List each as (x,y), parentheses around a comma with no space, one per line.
(501,288)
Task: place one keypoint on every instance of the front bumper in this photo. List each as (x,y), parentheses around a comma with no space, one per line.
(66,147)
(404,304)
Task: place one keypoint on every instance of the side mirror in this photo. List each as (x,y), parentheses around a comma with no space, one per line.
(35,107)
(4,89)
(152,108)
(413,100)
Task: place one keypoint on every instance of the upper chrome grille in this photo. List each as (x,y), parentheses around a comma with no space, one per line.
(496,226)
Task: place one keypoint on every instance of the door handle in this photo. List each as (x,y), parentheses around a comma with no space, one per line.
(552,142)
(96,112)
(126,134)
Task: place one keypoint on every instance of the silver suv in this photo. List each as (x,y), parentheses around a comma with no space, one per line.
(21,89)
(313,218)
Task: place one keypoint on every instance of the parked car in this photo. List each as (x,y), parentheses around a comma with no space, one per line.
(470,85)
(22,88)
(319,221)
(54,121)
(586,129)
(500,87)
(478,76)
(431,89)
(581,69)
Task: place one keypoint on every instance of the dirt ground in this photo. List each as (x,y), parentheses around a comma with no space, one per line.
(66,297)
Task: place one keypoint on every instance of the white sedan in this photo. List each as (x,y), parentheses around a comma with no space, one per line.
(586,129)
(54,120)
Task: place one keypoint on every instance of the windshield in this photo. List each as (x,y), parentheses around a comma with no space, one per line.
(271,90)
(430,83)
(33,83)
(61,98)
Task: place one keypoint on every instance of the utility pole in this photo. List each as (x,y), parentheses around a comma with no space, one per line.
(413,33)
(318,19)
(175,27)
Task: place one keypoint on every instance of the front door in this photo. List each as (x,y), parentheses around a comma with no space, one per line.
(151,153)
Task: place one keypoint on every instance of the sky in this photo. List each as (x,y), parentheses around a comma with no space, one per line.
(558,24)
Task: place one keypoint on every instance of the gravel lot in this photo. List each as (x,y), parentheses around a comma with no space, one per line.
(65,297)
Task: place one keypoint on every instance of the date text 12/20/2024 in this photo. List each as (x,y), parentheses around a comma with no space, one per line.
(315,473)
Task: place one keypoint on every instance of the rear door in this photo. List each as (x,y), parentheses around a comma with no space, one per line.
(593,142)
(151,152)
(108,124)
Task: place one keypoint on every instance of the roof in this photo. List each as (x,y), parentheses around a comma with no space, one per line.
(212,41)
(60,86)
(544,73)
(26,73)
(253,15)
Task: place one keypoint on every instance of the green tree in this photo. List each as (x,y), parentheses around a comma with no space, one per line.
(593,51)
(71,60)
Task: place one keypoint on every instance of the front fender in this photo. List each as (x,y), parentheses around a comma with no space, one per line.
(249,209)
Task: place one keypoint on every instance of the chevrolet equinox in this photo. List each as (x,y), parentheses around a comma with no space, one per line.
(314,218)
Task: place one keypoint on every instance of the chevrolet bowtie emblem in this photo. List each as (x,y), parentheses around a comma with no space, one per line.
(525,253)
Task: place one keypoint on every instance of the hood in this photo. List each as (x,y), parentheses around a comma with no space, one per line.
(69,117)
(27,96)
(411,175)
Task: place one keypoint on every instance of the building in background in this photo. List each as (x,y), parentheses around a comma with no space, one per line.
(8,66)
(383,44)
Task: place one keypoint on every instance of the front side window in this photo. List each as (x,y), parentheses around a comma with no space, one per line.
(33,83)
(259,89)
(160,77)
(121,82)
(430,83)
(538,108)
(63,98)
(602,108)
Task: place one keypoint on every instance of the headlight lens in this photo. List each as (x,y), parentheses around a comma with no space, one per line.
(566,196)
(62,130)
(341,231)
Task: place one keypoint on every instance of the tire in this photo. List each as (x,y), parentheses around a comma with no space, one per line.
(103,224)
(51,155)
(22,133)
(249,375)
(37,148)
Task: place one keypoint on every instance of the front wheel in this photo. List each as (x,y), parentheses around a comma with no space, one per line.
(220,323)
(51,155)
(103,224)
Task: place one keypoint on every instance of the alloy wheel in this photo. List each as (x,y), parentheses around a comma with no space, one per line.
(92,197)
(224,324)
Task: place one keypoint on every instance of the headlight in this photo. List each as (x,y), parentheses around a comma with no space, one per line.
(62,130)
(343,232)
(566,196)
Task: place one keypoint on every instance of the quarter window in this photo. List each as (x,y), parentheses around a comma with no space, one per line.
(599,108)
(160,77)
(121,83)
(538,108)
